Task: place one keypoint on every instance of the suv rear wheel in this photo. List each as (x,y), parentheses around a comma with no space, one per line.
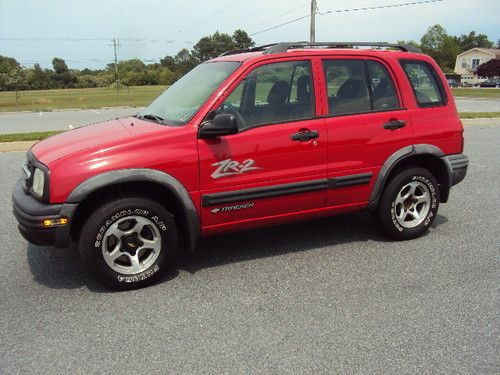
(128,243)
(408,205)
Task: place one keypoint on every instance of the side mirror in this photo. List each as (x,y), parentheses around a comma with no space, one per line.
(223,124)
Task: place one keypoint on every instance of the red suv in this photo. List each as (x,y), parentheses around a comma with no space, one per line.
(283,132)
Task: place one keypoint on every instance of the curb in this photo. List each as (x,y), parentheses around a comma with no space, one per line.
(16,146)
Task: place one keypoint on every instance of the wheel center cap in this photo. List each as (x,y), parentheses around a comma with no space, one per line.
(408,203)
(131,243)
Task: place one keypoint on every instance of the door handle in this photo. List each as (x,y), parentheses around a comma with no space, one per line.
(304,136)
(394,124)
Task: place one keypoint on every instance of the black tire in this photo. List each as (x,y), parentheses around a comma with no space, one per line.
(388,210)
(95,230)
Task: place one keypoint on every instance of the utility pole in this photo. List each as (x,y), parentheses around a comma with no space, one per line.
(115,45)
(312,34)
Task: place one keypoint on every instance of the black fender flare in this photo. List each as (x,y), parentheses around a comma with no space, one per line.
(191,218)
(400,155)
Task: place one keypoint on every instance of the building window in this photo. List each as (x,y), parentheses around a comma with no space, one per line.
(464,63)
(475,64)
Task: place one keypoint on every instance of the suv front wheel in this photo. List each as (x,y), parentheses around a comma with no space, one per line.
(128,243)
(409,204)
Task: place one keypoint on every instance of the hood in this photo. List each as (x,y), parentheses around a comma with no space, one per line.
(109,133)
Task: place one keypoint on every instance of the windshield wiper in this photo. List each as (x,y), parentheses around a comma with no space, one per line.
(150,116)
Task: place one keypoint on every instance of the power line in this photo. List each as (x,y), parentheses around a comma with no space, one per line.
(379,7)
(57,39)
(281,25)
(280,15)
(360,9)
(210,16)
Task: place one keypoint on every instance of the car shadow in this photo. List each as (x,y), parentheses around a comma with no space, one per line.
(62,269)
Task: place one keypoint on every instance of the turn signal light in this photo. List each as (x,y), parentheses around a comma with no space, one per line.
(55,222)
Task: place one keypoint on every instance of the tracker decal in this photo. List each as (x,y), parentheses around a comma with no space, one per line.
(235,207)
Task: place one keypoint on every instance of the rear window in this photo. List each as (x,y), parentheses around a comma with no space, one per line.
(426,85)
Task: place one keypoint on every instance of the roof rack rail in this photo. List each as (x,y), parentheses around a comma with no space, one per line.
(254,49)
(283,47)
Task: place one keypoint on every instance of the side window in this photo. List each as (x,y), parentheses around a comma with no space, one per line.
(346,86)
(272,93)
(383,91)
(235,98)
(423,79)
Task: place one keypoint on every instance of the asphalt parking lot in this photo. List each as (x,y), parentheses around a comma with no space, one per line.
(328,296)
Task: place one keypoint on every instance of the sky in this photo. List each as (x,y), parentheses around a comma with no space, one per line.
(80,31)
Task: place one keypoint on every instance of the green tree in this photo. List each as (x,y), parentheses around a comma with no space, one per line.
(185,61)
(7,64)
(131,65)
(473,40)
(167,77)
(242,40)
(62,76)
(168,62)
(441,47)
(84,81)
(212,46)
(409,43)
(16,80)
(39,79)
(433,38)
(59,65)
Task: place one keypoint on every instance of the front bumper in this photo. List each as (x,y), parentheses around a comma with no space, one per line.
(31,213)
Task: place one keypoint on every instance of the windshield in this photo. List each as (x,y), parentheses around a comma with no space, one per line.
(180,101)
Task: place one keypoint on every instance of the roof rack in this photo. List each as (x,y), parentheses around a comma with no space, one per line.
(285,46)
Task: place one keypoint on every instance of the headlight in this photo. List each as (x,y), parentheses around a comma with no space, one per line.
(38,182)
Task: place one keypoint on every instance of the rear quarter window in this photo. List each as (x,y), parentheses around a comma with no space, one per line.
(427,86)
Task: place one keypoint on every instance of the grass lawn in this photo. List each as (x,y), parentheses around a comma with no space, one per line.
(493,93)
(36,136)
(464,115)
(46,100)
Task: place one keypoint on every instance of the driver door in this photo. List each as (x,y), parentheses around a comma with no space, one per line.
(276,163)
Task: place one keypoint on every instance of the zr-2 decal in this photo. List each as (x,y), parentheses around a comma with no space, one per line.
(232,208)
(230,167)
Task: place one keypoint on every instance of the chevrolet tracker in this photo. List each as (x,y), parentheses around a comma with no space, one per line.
(278,133)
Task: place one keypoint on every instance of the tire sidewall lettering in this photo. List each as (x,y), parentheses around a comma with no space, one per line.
(124,213)
(139,277)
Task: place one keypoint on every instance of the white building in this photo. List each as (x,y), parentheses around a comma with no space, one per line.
(468,61)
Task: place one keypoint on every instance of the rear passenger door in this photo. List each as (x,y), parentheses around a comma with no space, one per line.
(366,123)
